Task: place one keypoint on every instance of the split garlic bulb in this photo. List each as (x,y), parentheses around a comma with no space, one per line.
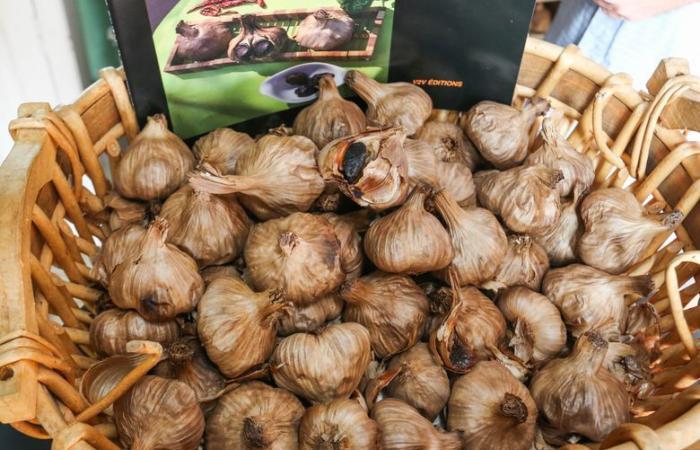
(118,246)
(617,231)
(560,241)
(539,333)
(237,326)
(501,132)
(323,366)
(222,148)
(157,279)
(330,117)
(492,409)
(325,29)
(201,41)
(409,240)
(524,197)
(112,329)
(340,424)
(309,318)
(524,264)
(577,394)
(299,253)
(450,143)
(155,164)
(590,299)
(392,307)
(347,228)
(391,104)
(254,416)
(255,42)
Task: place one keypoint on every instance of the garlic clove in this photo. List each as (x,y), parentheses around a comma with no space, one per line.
(325,29)
(222,148)
(256,43)
(201,41)
(524,264)
(450,143)
(125,212)
(311,317)
(112,329)
(340,424)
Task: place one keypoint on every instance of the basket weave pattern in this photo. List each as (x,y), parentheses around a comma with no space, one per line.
(49,221)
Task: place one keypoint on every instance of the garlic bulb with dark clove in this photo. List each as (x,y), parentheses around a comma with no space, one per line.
(211,228)
(156,279)
(201,41)
(255,416)
(391,104)
(237,326)
(222,148)
(323,366)
(617,231)
(409,240)
(277,177)
(539,333)
(325,29)
(211,273)
(118,246)
(556,152)
(340,424)
(124,212)
(309,318)
(403,428)
(492,409)
(501,132)
(155,164)
(577,394)
(450,143)
(112,329)
(158,413)
(330,117)
(560,241)
(255,42)
(524,197)
(524,264)
(392,307)
(630,365)
(478,240)
(371,168)
(473,326)
(590,299)
(347,228)
(299,253)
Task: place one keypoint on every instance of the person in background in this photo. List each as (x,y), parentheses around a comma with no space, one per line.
(630,36)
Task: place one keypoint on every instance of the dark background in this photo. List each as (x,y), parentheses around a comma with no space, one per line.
(13,440)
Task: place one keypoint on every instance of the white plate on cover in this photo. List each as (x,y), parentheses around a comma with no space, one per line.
(277,87)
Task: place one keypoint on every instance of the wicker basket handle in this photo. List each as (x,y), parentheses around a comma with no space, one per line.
(674,297)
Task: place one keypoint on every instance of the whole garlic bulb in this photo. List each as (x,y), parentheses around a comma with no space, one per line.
(254,416)
(211,228)
(277,177)
(492,409)
(617,231)
(158,280)
(391,104)
(255,42)
(450,143)
(577,394)
(237,326)
(340,424)
(309,318)
(323,366)
(539,333)
(347,228)
(118,246)
(201,41)
(501,132)
(392,307)
(112,329)
(403,428)
(155,164)
(222,148)
(590,299)
(478,240)
(556,152)
(330,117)
(325,30)
(159,413)
(525,264)
(409,240)
(299,253)
(370,168)
(524,197)
(211,273)
(560,241)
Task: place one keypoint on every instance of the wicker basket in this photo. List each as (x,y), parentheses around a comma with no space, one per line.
(49,221)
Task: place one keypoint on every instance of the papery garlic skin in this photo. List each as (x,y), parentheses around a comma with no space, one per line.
(311,317)
(347,228)
(222,148)
(211,273)
(392,104)
(590,299)
(325,30)
(299,253)
(409,240)
(578,394)
(560,242)
(112,329)
(201,41)
(450,143)
(341,424)
(125,212)
(330,117)
(159,413)
(403,428)
(118,246)
(255,416)
(492,409)
(393,308)
(501,132)
(256,43)
(630,365)
(324,366)
(524,264)
(539,333)
(155,164)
